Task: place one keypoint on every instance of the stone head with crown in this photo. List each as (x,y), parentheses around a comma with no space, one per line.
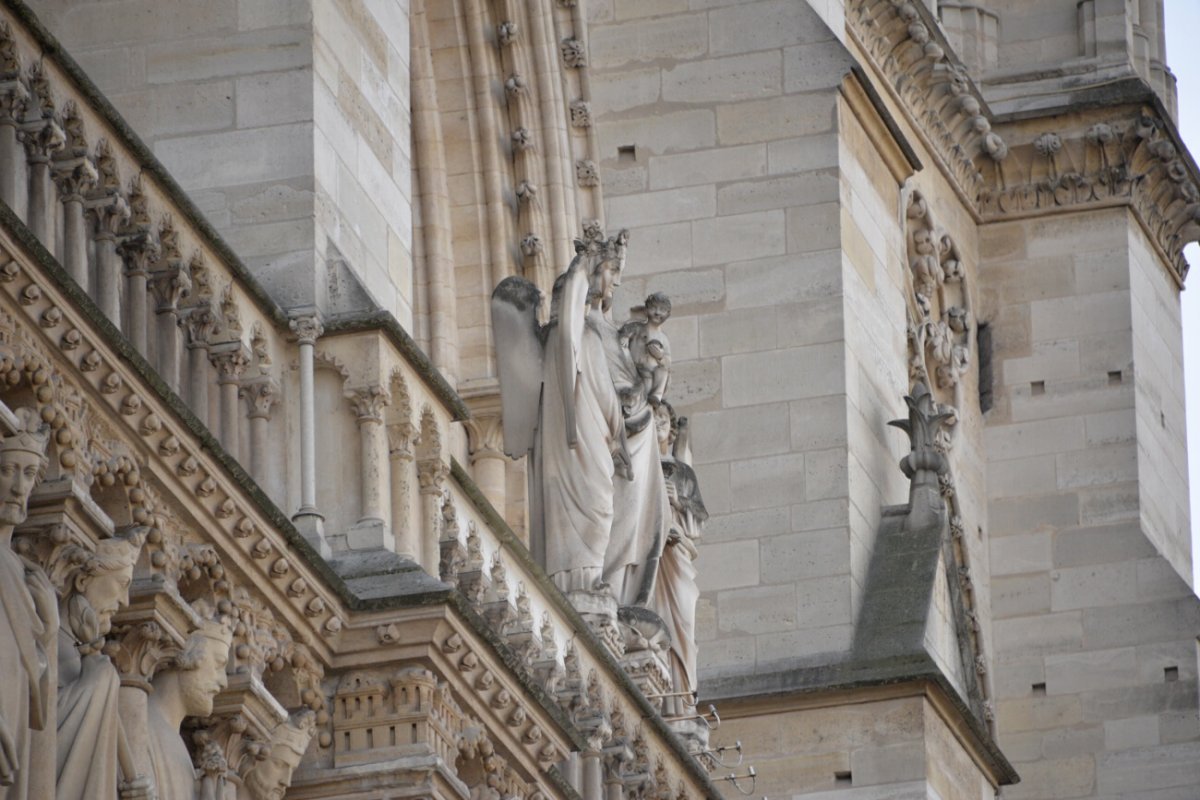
(199,668)
(607,257)
(270,773)
(22,464)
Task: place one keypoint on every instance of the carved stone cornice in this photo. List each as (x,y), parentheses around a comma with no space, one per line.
(1116,156)
(903,41)
(1123,155)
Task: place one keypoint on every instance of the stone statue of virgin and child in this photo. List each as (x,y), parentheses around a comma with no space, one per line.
(584,398)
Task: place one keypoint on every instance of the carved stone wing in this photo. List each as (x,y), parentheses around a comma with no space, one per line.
(518,360)
(572,315)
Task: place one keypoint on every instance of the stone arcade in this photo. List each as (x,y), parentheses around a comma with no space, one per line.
(458,399)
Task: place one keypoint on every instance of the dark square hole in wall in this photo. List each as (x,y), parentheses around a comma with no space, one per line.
(627,153)
(1171,674)
(1039,689)
(1037,387)
(1114,377)
(983,339)
(843,777)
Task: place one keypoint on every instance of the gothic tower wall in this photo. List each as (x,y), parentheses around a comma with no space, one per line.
(287,122)
(1094,620)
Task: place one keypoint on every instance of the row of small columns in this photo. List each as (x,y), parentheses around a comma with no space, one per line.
(55,158)
(386,460)
(119,252)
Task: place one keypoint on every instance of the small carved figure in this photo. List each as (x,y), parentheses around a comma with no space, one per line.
(649,346)
(28,614)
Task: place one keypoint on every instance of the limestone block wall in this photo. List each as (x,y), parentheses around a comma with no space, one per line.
(363,157)
(218,93)
(287,122)
(875,293)
(881,748)
(1094,631)
(1158,406)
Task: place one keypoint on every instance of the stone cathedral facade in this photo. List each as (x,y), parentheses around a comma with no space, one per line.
(593,400)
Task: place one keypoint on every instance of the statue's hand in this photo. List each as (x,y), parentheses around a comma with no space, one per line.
(137,789)
(8,756)
(622,465)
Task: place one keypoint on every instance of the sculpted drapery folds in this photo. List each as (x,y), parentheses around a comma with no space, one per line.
(579,394)
(639,360)
(29,622)
(559,403)
(675,590)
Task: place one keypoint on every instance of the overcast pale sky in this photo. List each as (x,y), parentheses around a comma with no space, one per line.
(1183,55)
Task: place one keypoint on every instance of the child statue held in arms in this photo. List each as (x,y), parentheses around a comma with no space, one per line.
(649,346)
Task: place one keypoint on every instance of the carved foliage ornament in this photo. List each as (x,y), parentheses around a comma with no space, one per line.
(1133,160)
(936,90)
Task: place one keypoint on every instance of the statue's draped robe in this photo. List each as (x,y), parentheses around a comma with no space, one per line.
(87,724)
(577,482)
(642,511)
(25,689)
(174,773)
(675,591)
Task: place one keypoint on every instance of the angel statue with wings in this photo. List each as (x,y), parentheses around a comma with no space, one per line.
(560,406)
